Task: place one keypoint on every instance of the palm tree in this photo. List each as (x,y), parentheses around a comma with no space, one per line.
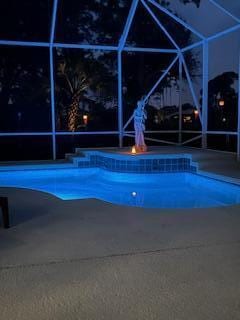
(77,84)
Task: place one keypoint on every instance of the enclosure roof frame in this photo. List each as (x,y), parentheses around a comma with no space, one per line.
(122,47)
(122,41)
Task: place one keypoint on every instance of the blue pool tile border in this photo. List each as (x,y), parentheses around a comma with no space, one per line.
(138,163)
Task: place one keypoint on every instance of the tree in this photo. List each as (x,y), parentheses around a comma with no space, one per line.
(25,20)
(77,83)
(196,2)
(97,22)
(24,89)
(85,21)
(93,22)
(222,88)
(85,80)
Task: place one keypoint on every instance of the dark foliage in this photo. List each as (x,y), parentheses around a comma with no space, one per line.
(24,89)
(222,88)
(27,20)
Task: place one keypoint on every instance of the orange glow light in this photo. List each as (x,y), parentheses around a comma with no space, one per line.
(221,103)
(134,150)
(196,114)
(85,119)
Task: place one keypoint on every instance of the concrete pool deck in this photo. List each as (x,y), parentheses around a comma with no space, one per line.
(86,259)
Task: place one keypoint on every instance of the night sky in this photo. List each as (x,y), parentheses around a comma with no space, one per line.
(209,20)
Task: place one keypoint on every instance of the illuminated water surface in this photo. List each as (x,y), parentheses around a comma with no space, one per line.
(170,190)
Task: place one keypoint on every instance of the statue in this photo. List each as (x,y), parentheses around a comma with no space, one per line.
(140,116)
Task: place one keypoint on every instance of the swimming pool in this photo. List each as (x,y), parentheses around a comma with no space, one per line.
(154,190)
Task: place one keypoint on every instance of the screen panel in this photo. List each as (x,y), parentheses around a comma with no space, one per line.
(25,104)
(86,90)
(91,21)
(25,20)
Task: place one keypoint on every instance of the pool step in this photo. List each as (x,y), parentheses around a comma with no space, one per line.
(77,158)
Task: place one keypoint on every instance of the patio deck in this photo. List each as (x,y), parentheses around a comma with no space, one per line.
(87,259)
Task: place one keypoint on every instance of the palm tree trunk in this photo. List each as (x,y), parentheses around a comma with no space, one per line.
(73,114)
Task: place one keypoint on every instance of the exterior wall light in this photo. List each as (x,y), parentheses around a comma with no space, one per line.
(85,119)
(196,113)
(221,103)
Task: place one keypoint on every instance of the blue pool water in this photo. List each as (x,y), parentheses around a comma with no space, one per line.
(165,190)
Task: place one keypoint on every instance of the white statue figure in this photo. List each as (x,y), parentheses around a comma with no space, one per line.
(140,117)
